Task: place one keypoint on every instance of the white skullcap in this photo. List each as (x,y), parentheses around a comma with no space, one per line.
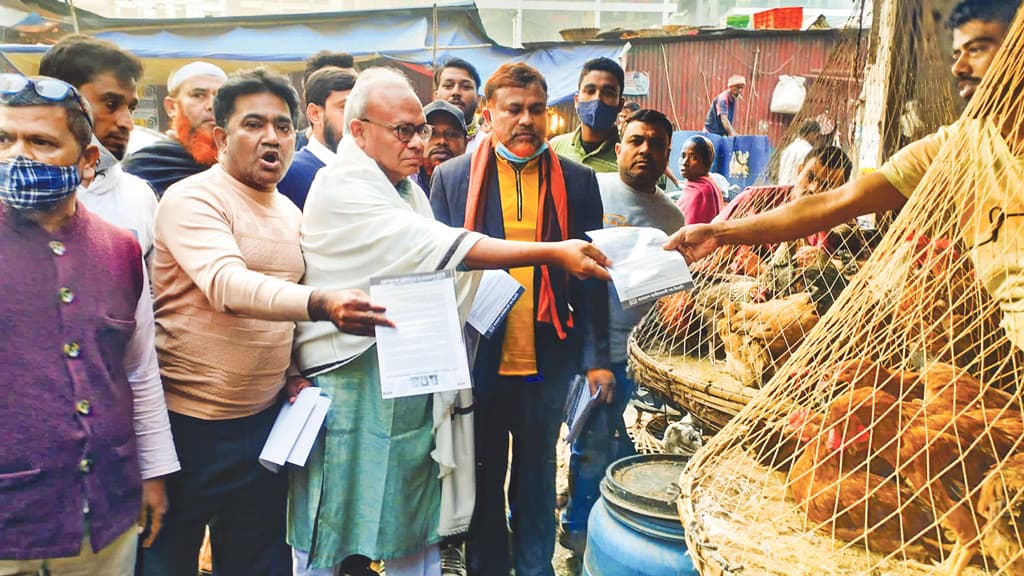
(191,70)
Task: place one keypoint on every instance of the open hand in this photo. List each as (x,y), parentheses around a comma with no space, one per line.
(583,260)
(693,242)
(350,310)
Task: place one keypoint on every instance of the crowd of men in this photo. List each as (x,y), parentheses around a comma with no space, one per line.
(164,304)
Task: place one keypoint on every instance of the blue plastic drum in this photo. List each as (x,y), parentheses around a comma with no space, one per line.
(634,529)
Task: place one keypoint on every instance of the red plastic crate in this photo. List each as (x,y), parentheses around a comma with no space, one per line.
(780,19)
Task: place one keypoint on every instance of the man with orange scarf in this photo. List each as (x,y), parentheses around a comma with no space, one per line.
(513,186)
(189,148)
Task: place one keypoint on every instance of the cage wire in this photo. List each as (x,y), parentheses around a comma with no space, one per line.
(710,350)
(888,439)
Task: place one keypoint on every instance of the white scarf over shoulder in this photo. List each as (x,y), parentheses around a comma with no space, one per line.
(355,226)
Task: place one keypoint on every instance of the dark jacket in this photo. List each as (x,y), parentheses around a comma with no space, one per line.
(162,164)
(66,418)
(587,343)
(296,182)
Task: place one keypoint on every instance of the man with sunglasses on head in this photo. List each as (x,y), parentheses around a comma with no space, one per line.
(108,78)
(86,436)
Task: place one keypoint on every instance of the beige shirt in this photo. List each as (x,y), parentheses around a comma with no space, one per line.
(226,261)
(995,185)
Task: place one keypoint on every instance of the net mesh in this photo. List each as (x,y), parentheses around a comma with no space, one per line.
(879,426)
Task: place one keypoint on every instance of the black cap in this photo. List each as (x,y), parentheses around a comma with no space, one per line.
(438,106)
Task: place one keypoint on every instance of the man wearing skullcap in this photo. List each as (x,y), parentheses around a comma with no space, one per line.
(189,149)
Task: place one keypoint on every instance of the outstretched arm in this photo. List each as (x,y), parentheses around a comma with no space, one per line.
(806,216)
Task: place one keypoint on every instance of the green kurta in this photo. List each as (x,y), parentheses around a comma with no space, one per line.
(370,486)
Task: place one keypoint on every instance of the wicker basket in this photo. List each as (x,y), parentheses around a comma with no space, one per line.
(694,384)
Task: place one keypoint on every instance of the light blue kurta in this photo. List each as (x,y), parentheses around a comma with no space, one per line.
(370,486)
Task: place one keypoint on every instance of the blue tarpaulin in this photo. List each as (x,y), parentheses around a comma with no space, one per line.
(403,36)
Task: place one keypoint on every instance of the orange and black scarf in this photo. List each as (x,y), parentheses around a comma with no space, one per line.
(552,226)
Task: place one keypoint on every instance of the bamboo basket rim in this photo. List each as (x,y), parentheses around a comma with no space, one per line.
(673,382)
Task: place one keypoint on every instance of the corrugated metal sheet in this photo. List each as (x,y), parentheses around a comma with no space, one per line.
(685,74)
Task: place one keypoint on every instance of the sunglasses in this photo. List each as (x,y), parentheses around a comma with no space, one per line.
(48,88)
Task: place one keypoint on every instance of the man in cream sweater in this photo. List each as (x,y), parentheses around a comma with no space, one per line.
(225,270)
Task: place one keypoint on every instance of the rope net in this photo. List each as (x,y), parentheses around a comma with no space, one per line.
(879,428)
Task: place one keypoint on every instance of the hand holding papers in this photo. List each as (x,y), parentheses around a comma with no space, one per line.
(642,270)
(295,430)
(424,352)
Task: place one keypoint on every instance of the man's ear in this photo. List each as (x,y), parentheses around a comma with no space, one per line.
(87,164)
(314,114)
(357,130)
(171,107)
(220,138)
(618,149)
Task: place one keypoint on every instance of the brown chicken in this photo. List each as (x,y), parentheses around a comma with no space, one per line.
(941,458)
(855,499)
(1001,502)
(866,373)
(758,337)
(952,391)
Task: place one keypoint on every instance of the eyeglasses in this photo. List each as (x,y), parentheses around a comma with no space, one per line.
(49,88)
(405,132)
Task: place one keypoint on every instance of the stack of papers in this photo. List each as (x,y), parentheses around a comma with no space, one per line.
(497,293)
(295,430)
(579,403)
(641,270)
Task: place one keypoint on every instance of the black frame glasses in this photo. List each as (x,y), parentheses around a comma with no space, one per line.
(51,89)
(405,132)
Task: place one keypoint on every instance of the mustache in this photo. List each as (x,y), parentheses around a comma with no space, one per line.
(439,148)
(965,77)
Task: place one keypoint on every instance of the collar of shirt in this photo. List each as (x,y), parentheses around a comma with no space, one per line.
(602,158)
(323,153)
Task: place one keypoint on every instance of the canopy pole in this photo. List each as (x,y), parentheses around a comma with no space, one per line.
(433,58)
(74,15)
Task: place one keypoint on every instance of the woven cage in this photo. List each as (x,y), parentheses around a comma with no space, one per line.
(711,350)
(889,440)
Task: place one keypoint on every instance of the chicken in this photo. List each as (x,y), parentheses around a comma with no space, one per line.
(746,262)
(1001,502)
(953,391)
(779,444)
(942,458)
(866,373)
(853,498)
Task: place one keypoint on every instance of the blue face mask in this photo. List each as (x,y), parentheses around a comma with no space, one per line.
(597,115)
(511,156)
(29,185)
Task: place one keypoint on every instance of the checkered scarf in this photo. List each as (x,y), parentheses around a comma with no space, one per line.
(29,185)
